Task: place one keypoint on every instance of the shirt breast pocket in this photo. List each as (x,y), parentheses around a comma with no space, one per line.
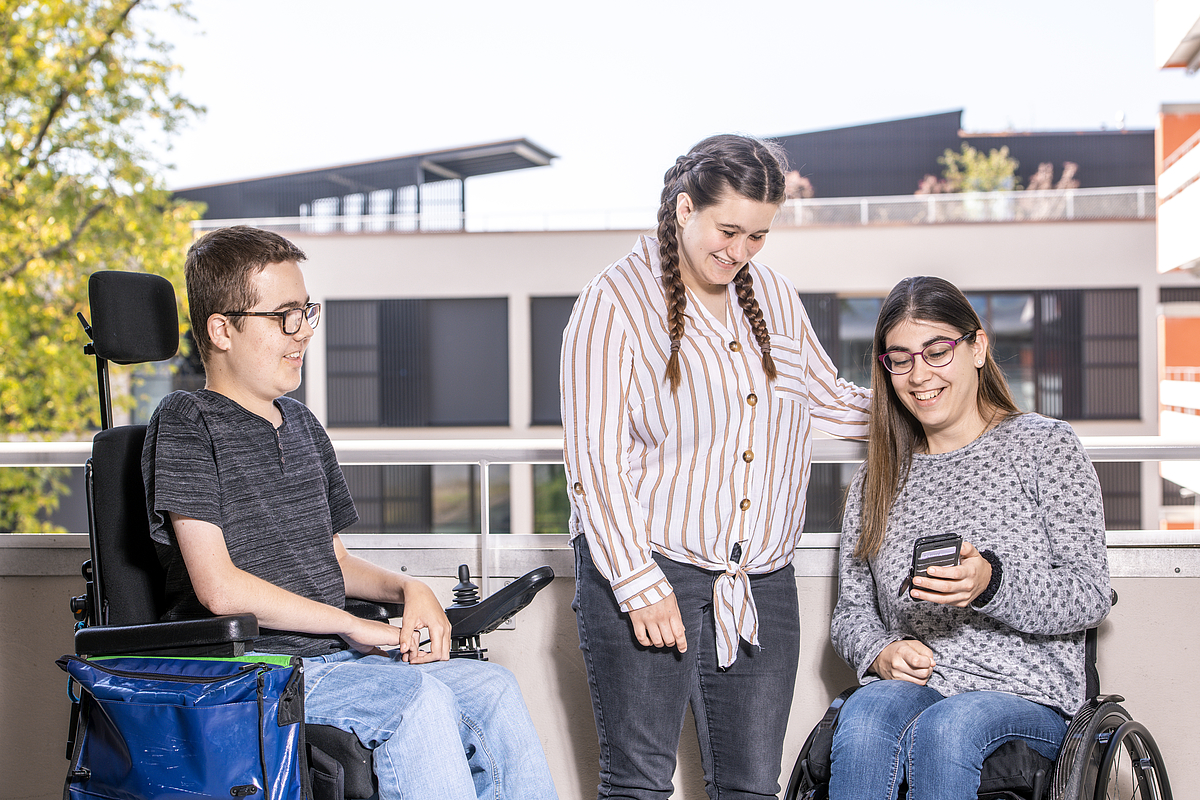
(789,384)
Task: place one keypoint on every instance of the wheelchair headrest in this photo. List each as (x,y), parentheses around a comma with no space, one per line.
(134,318)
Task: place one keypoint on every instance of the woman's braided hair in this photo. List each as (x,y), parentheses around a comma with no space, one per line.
(746,166)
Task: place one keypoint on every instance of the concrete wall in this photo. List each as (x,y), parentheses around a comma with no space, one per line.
(1146,648)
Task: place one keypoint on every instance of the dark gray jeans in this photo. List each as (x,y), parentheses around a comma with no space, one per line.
(640,694)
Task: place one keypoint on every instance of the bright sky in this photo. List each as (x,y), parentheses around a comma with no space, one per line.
(618,89)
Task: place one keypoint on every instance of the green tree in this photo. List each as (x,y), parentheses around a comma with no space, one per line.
(84,94)
(972,171)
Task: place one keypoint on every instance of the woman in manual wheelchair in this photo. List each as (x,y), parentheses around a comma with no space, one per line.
(986,645)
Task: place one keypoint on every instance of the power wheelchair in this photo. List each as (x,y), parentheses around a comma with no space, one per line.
(1105,755)
(134,320)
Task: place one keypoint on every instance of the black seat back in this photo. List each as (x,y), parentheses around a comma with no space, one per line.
(128,578)
(134,320)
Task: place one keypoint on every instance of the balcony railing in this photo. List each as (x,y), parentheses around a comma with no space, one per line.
(1056,205)
(492,551)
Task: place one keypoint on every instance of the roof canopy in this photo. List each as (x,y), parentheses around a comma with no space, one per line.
(283,195)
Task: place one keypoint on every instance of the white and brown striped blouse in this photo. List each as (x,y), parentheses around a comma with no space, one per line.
(723,462)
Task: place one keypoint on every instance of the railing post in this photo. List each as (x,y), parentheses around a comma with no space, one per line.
(864,211)
(485,526)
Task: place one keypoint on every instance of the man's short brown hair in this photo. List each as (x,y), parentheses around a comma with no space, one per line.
(219,268)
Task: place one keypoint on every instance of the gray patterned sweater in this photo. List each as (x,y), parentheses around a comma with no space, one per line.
(1026,491)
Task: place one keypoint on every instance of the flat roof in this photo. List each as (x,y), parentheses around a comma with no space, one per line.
(282,195)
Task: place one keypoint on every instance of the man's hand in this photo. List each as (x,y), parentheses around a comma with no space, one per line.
(367,581)
(422,610)
(660,624)
(955,586)
(906,660)
(369,636)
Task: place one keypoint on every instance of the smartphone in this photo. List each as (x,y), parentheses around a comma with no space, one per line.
(941,549)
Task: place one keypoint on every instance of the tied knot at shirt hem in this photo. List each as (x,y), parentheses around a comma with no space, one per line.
(735,614)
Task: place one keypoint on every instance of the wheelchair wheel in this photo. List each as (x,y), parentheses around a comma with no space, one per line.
(1108,756)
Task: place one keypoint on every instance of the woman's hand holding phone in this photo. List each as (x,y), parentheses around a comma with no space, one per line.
(955,585)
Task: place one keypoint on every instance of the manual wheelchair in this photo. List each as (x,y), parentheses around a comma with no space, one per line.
(134,320)
(1105,755)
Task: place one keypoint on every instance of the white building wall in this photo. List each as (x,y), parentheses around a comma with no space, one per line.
(852,260)
(844,260)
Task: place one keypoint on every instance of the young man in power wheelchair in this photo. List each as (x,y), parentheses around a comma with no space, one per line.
(245,500)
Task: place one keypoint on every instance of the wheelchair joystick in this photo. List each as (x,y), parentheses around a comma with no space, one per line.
(470,617)
(465,593)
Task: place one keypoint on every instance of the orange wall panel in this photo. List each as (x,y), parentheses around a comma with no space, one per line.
(1173,131)
(1181,342)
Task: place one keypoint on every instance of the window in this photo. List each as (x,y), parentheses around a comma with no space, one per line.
(438,498)
(856,333)
(548,317)
(551,506)
(1121,485)
(1070,354)
(1008,318)
(418,363)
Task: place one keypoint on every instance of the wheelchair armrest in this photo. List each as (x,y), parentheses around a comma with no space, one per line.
(229,632)
(369,609)
(490,613)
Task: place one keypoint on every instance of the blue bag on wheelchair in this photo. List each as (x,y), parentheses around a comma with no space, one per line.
(180,727)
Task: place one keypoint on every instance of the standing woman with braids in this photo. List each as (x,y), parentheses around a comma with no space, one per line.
(691,382)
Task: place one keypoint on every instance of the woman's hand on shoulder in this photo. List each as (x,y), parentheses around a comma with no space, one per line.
(660,624)
(955,586)
(906,660)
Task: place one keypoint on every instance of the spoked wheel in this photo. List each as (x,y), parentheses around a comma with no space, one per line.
(1106,755)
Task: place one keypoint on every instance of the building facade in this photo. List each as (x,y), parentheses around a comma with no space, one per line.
(456,334)
(1177,168)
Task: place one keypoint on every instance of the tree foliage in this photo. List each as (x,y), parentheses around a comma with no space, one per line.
(972,171)
(84,93)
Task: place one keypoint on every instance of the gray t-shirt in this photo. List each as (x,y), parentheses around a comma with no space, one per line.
(1026,491)
(278,496)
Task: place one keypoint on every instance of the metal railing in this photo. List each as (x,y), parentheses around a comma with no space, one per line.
(1181,374)
(485,453)
(1053,205)
(1056,205)
(550,451)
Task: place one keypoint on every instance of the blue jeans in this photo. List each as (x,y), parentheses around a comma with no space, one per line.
(640,694)
(450,729)
(893,731)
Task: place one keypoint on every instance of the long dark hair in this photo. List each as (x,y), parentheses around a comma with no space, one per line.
(895,432)
(753,169)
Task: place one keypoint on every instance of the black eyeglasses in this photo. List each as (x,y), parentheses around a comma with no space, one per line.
(938,354)
(291,319)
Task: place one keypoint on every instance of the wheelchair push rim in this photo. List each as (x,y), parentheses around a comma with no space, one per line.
(1108,756)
